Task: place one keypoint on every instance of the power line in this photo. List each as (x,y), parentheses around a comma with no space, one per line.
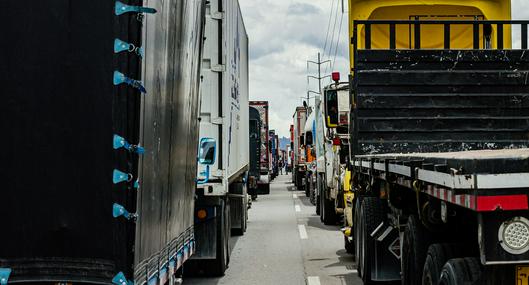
(328,28)
(333,30)
(338,42)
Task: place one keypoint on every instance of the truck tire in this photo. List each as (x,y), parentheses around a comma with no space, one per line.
(371,215)
(356,232)
(318,202)
(349,245)
(415,245)
(307,186)
(438,254)
(220,264)
(299,182)
(461,271)
(322,197)
(238,209)
(329,213)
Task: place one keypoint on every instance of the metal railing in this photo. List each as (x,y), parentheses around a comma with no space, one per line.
(415,26)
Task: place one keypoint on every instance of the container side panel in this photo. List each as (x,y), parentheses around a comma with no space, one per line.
(59,115)
(236,95)
(173,40)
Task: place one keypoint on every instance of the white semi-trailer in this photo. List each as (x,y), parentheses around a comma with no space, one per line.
(221,203)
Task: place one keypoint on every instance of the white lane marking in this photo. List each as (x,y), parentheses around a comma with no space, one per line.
(353,271)
(294,196)
(302,232)
(298,208)
(313,280)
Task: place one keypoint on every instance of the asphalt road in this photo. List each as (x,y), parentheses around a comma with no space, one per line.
(286,244)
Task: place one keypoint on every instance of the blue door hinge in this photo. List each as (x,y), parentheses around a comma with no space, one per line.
(120,46)
(120,78)
(120,279)
(120,142)
(4,275)
(122,8)
(118,211)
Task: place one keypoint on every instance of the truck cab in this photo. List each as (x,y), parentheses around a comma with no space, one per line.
(299,166)
(333,152)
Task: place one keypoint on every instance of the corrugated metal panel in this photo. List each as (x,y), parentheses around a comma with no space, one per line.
(224,111)
(430,101)
(63,111)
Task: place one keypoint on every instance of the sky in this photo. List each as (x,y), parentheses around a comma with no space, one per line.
(284,34)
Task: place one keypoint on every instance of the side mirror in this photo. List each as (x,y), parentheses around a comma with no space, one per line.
(207,151)
(206,155)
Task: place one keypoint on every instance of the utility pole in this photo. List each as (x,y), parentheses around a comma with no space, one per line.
(319,78)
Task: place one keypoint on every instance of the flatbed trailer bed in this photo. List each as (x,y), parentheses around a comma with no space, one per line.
(481,180)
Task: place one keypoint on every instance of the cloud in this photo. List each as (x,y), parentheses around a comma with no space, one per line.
(284,35)
(303,9)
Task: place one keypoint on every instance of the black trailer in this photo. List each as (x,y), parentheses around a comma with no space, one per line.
(81,200)
(254,172)
(439,157)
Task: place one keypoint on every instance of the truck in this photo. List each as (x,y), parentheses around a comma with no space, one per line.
(263,184)
(254,172)
(438,142)
(333,152)
(309,150)
(273,157)
(98,185)
(222,202)
(298,145)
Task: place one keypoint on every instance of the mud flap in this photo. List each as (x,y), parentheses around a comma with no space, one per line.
(386,264)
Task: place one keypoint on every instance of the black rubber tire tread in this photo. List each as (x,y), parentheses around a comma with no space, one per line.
(415,247)
(356,232)
(318,205)
(329,213)
(349,245)
(461,271)
(299,181)
(322,197)
(372,214)
(307,186)
(220,264)
(438,254)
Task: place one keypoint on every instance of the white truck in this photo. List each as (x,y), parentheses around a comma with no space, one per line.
(221,194)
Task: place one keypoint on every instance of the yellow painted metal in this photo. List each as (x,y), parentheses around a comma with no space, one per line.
(522,275)
(432,36)
(347,181)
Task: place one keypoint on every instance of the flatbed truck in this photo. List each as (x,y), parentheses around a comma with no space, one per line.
(438,143)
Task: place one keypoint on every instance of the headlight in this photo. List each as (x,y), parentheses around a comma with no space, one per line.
(514,235)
